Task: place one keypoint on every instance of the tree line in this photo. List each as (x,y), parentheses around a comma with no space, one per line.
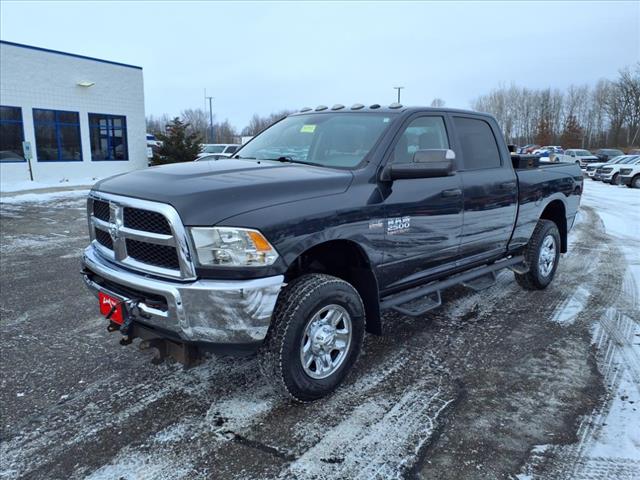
(196,123)
(582,116)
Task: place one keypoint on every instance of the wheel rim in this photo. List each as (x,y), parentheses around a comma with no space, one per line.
(636,182)
(547,256)
(326,341)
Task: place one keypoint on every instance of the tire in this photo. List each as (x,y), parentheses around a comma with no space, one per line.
(635,182)
(301,328)
(615,180)
(542,262)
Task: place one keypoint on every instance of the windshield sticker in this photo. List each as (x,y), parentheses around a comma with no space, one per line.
(375,224)
(398,225)
(308,129)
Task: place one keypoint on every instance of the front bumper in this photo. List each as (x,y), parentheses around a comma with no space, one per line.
(626,180)
(212,311)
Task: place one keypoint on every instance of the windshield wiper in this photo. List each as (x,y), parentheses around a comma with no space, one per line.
(287,159)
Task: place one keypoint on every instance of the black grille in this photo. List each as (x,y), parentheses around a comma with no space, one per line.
(101,210)
(146,221)
(104,239)
(157,255)
(625,171)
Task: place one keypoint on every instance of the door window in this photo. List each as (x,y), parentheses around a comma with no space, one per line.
(423,133)
(478,145)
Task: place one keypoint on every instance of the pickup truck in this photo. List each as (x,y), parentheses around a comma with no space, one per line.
(294,247)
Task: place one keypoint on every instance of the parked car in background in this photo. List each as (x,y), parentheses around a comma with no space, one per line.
(630,175)
(579,156)
(225,149)
(635,151)
(547,150)
(591,169)
(611,173)
(152,141)
(606,154)
(528,148)
(213,156)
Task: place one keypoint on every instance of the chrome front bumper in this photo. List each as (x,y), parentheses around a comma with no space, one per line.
(214,311)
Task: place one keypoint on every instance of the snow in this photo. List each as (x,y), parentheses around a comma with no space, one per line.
(43,197)
(64,183)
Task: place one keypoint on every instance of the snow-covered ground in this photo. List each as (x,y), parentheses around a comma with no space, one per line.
(39,185)
(608,443)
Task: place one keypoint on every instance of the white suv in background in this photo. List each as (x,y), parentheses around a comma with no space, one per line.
(576,155)
(220,149)
(630,175)
(592,168)
(611,173)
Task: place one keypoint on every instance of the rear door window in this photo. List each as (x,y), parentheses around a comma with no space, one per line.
(477,142)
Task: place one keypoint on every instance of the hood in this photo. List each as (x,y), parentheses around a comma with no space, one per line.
(205,193)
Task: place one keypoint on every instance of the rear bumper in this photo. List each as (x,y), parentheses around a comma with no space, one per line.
(211,311)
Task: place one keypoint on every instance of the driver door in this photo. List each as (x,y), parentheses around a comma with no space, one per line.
(423,216)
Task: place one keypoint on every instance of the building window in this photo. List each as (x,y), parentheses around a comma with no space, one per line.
(11,134)
(108,137)
(57,135)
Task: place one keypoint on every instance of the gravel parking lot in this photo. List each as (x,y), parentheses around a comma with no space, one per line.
(495,384)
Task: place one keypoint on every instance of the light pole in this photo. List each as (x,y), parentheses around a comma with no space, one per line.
(210,120)
(398,89)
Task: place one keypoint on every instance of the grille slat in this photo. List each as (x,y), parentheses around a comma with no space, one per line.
(146,221)
(158,255)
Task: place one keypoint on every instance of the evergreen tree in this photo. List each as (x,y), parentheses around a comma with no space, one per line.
(177,144)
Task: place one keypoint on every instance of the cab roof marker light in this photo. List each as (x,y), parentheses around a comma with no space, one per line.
(319,108)
(395,105)
(306,109)
(357,106)
(374,106)
(337,106)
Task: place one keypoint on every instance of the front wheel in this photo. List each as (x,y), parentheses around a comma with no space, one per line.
(615,180)
(542,255)
(316,333)
(635,182)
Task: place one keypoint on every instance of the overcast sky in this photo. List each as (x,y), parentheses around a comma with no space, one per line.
(267,56)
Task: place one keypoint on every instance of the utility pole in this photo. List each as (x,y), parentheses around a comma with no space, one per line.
(398,89)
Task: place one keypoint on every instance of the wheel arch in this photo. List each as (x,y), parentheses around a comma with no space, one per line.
(347,260)
(556,211)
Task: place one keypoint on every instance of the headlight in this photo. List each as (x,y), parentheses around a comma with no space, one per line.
(232,247)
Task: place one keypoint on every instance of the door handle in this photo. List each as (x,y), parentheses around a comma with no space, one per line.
(452,192)
(508,185)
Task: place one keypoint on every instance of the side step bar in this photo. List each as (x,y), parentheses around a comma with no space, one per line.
(478,279)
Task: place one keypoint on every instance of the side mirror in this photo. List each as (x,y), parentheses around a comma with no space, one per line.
(426,164)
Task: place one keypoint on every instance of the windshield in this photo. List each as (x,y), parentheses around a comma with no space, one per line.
(583,153)
(628,160)
(213,149)
(326,139)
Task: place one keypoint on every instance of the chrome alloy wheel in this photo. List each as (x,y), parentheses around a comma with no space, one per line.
(547,256)
(326,341)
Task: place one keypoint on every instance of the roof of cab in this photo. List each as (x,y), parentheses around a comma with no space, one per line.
(393,108)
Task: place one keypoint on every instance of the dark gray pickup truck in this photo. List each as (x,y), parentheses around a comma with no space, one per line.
(296,245)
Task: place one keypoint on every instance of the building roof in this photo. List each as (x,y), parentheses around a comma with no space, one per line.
(57,52)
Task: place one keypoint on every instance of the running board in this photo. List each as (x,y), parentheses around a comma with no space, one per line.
(429,295)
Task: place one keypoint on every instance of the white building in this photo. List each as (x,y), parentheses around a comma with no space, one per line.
(81,117)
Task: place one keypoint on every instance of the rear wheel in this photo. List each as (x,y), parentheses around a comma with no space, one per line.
(541,255)
(315,337)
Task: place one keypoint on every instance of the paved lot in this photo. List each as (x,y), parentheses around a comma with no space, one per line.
(470,391)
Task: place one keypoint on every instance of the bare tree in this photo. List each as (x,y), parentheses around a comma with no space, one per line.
(437,102)
(258,123)
(198,121)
